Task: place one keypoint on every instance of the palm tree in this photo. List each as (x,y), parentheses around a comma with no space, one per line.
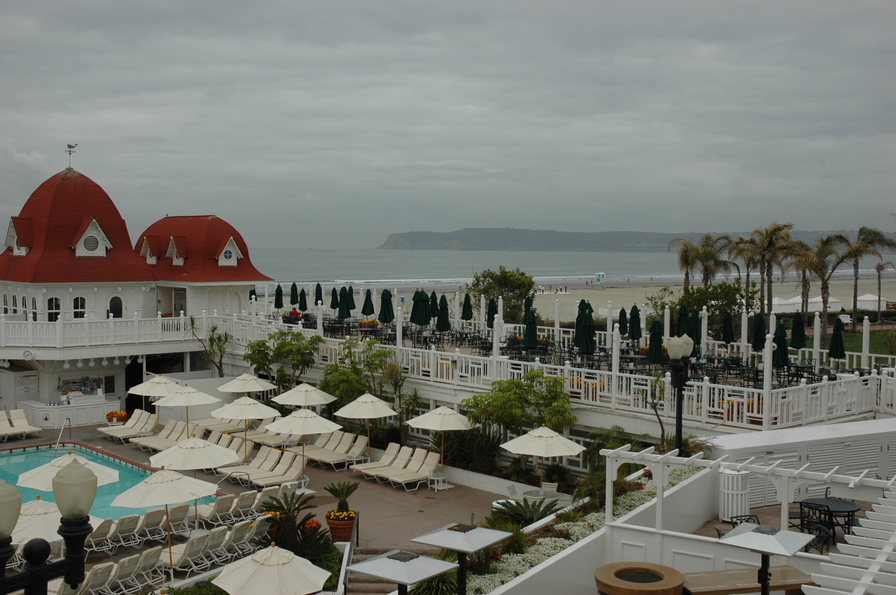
(688,253)
(745,250)
(709,256)
(867,242)
(880,268)
(824,260)
(800,257)
(771,248)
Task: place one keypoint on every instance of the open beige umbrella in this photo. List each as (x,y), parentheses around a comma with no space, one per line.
(40,518)
(245,409)
(543,442)
(303,422)
(155,388)
(274,571)
(41,478)
(193,453)
(366,407)
(304,395)
(185,396)
(442,419)
(246,383)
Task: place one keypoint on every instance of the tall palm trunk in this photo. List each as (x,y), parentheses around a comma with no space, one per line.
(855,293)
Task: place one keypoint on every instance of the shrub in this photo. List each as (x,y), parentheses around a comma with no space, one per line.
(526,512)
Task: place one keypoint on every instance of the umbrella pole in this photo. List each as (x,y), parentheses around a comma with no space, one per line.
(542,472)
(170,553)
(443,451)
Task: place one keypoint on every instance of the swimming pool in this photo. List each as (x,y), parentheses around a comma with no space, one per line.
(14,463)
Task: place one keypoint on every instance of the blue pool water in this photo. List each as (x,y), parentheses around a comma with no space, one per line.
(14,463)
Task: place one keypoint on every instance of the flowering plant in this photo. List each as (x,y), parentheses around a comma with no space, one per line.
(119,415)
(309,525)
(343,515)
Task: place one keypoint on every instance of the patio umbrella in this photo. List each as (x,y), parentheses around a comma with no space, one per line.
(543,442)
(758,343)
(155,388)
(318,294)
(530,330)
(491,310)
(350,295)
(303,301)
(433,305)
(273,570)
(655,349)
(634,324)
(779,356)
(41,478)
(402,568)
(293,294)
(185,396)
(366,407)
(728,328)
(40,518)
(623,322)
(443,419)
(836,349)
(367,307)
(334,299)
(798,332)
(387,314)
(443,320)
(682,328)
(246,409)
(466,310)
(766,541)
(345,306)
(304,395)
(302,422)
(246,383)
(192,454)
(278,297)
(584,335)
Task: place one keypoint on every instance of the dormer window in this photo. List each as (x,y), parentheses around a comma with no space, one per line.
(90,240)
(174,253)
(229,253)
(146,252)
(16,236)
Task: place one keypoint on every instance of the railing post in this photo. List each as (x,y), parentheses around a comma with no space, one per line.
(60,335)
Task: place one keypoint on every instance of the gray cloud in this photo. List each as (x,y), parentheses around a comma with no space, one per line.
(314,122)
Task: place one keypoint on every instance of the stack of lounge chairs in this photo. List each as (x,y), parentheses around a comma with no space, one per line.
(16,426)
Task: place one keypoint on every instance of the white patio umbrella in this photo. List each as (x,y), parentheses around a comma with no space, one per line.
(402,568)
(304,395)
(246,383)
(274,571)
(40,518)
(41,478)
(245,409)
(303,422)
(543,442)
(193,453)
(155,388)
(366,407)
(185,396)
(442,419)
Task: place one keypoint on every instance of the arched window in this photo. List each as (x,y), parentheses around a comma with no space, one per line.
(25,306)
(15,304)
(5,304)
(34,308)
(53,309)
(115,307)
(79,307)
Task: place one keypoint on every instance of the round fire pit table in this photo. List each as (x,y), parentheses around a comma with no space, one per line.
(638,578)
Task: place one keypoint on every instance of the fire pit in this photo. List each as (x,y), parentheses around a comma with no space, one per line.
(638,578)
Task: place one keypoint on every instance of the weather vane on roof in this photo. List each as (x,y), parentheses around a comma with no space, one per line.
(70,149)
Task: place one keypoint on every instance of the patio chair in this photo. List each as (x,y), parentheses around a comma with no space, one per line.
(408,479)
(216,513)
(331,439)
(177,517)
(137,419)
(187,556)
(244,506)
(263,497)
(237,535)
(152,525)
(6,429)
(335,460)
(148,427)
(149,570)
(816,514)
(368,470)
(122,577)
(387,458)
(744,518)
(216,539)
(294,473)
(124,531)
(100,540)
(283,465)
(97,579)
(820,541)
(19,422)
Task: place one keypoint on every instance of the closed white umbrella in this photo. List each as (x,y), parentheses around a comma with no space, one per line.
(304,395)
(366,407)
(246,409)
(303,422)
(273,570)
(543,442)
(41,478)
(194,453)
(246,383)
(185,396)
(442,419)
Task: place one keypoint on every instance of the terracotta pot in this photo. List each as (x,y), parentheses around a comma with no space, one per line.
(341,530)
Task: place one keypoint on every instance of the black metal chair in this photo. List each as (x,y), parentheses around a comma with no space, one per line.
(820,541)
(816,514)
(744,518)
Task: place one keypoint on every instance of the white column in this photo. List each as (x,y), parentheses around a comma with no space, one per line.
(617,345)
(866,341)
(482,311)
(399,329)
(772,323)
(456,305)
(609,318)
(816,343)
(745,334)
(667,323)
(557,322)
(320,318)
(704,329)
(767,379)
(501,307)
(496,337)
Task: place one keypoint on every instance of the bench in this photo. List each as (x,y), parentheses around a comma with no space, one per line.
(745,580)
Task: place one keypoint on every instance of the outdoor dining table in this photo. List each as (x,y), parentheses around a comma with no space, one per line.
(531,495)
(846,509)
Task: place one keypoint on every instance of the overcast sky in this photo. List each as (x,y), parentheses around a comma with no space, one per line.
(340,122)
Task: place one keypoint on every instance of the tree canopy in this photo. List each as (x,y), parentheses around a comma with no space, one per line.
(512,286)
(283,357)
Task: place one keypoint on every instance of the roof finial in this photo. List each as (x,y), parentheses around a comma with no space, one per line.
(70,149)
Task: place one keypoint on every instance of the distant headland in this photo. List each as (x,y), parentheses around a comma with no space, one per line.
(546,240)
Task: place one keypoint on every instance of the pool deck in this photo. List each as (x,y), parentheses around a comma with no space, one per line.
(389,517)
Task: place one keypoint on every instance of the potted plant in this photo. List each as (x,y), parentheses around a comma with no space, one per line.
(341,520)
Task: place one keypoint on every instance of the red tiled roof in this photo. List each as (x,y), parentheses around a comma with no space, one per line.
(57,210)
(198,239)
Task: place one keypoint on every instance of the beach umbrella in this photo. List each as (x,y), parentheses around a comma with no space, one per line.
(491,311)
(420,310)
(246,383)
(345,306)
(466,310)
(415,307)
(367,307)
(728,328)
(634,324)
(192,454)
(245,409)
(318,294)
(779,355)
(293,294)
(543,442)
(155,388)
(443,319)
(433,305)
(303,301)
(302,422)
(758,343)
(403,568)
(186,396)
(387,314)
(278,297)
(623,322)
(655,348)
(304,395)
(584,335)
(41,478)
(334,299)
(683,314)
(350,295)
(530,330)
(836,349)
(366,407)
(280,571)
(798,332)
(443,419)
(40,518)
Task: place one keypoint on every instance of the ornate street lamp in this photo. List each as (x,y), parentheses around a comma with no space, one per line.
(680,349)
(74,489)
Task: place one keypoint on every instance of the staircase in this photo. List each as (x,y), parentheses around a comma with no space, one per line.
(360,584)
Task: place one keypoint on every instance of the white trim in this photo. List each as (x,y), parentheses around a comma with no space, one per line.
(96,232)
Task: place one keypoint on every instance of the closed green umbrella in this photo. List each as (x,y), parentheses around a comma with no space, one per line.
(530,330)
(318,294)
(466,311)
(779,356)
(420,309)
(344,310)
(367,307)
(433,305)
(836,349)
(278,297)
(303,301)
(387,314)
(443,320)
(758,343)
(798,332)
(655,349)
(490,312)
(350,294)
(682,328)
(584,337)
(334,299)
(728,328)
(623,322)
(293,294)
(634,324)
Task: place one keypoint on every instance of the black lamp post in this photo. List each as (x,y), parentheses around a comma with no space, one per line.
(679,352)
(74,489)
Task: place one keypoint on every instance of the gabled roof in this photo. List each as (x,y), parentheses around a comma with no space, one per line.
(199,241)
(57,210)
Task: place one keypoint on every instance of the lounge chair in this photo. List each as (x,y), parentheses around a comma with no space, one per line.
(335,460)
(97,579)
(263,496)
(19,422)
(159,444)
(177,517)
(100,539)
(122,579)
(294,473)
(216,539)
(218,512)
(387,458)
(128,434)
(265,460)
(187,556)
(283,465)
(368,470)
(230,549)
(149,569)
(6,429)
(408,479)
(170,426)
(345,444)
(137,419)
(325,442)
(124,531)
(244,506)
(152,525)
(412,465)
